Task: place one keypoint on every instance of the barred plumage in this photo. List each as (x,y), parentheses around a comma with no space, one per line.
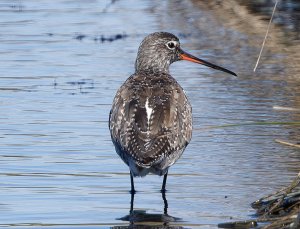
(150,146)
(151,118)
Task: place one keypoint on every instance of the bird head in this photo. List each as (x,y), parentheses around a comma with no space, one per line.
(158,50)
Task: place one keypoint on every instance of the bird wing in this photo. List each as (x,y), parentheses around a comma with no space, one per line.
(150,120)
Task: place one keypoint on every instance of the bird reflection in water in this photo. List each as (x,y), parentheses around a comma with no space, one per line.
(142,220)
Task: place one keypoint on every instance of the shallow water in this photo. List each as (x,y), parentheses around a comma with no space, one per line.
(61,64)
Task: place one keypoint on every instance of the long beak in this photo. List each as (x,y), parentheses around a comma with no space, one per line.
(189,57)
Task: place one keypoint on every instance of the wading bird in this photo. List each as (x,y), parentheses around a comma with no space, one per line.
(151,118)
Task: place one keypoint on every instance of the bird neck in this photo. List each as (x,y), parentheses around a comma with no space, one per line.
(155,64)
(152,71)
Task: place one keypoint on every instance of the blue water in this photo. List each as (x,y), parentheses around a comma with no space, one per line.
(61,64)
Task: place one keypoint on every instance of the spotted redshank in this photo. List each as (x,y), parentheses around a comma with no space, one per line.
(151,118)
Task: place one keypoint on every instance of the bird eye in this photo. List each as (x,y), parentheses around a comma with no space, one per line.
(171,45)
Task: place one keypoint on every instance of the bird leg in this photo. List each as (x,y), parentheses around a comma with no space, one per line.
(163,187)
(131,203)
(163,194)
(132,191)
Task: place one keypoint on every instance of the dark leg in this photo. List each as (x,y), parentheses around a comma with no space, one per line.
(132,191)
(163,187)
(163,194)
(131,203)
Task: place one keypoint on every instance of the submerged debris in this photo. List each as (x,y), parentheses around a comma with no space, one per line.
(280,210)
(280,108)
(297,144)
(239,224)
(112,38)
(100,38)
(80,37)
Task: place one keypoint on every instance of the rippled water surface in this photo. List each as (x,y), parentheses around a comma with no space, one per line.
(61,63)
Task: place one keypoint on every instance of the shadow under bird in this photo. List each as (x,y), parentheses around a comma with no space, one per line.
(151,118)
